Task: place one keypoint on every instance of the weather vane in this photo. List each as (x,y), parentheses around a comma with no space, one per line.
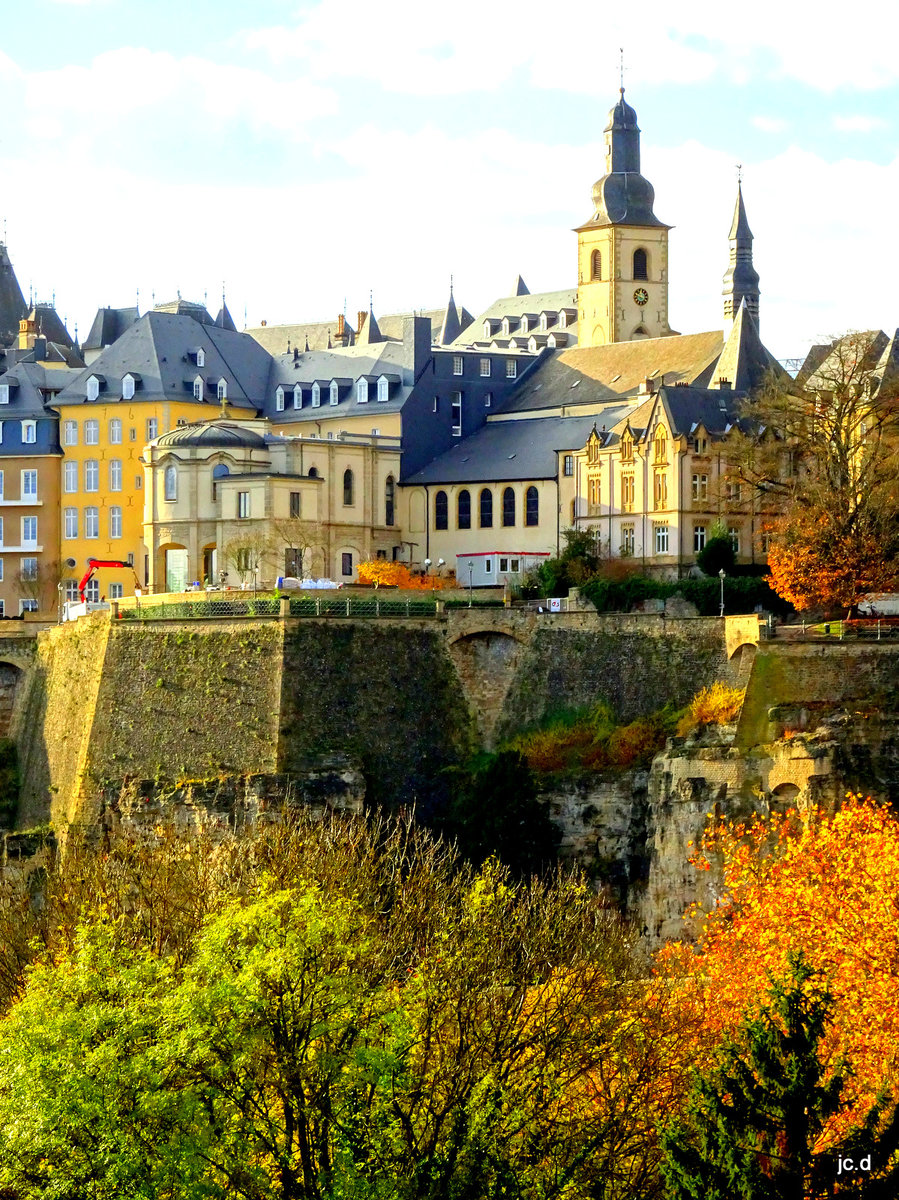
(739,172)
(621,65)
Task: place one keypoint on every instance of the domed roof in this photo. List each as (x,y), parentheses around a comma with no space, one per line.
(622,116)
(222,434)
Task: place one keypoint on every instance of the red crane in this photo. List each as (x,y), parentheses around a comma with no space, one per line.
(94,564)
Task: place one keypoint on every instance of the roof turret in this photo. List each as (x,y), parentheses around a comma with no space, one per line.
(741,280)
(622,196)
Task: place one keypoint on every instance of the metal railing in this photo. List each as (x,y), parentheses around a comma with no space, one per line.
(273,606)
(196,610)
(347,606)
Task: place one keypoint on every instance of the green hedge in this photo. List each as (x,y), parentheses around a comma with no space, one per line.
(741,594)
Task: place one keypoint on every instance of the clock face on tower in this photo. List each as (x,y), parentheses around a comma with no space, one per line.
(641,296)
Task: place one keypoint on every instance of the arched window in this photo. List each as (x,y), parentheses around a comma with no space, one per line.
(348,487)
(463,509)
(219,471)
(441,511)
(221,392)
(297,396)
(531,507)
(198,388)
(661,445)
(389,500)
(383,390)
(509,506)
(641,270)
(486,499)
(313,473)
(362,391)
(171,483)
(596,265)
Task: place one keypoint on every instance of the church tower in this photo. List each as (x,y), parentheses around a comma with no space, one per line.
(741,280)
(623,248)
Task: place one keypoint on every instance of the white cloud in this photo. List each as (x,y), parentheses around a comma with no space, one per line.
(858,124)
(770,124)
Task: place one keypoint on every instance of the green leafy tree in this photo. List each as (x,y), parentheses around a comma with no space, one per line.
(753,1123)
(718,552)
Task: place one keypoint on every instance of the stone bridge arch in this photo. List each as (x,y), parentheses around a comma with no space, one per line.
(486,661)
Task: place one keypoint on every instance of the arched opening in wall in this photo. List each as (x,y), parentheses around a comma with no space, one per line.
(210,564)
(596,265)
(10,678)
(641,264)
(175,568)
(784,797)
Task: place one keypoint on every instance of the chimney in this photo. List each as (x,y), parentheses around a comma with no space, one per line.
(341,325)
(360,319)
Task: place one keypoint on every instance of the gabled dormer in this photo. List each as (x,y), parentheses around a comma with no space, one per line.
(593,447)
(197,356)
(199,387)
(8,391)
(221,391)
(279,398)
(95,385)
(130,381)
(627,442)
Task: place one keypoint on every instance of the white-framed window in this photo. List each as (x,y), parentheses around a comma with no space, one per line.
(201,358)
(544,323)
(457,414)
(243,504)
(485,368)
(627,541)
(700,487)
(199,388)
(1,534)
(221,390)
(376,433)
(488,399)
(138,481)
(297,396)
(568,466)
(316,396)
(699,535)
(70,522)
(1,485)
(506,327)
(457,363)
(70,433)
(701,445)
(70,477)
(279,400)
(333,395)
(488,329)
(734,491)
(71,592)
(733,533)
(127,387)
(29,485)
(4,393)
(116,591)
(362,391)
(511,368)
(563,319)
(91,522)
(91,475)
(503,564)
(92,432)
(115,474)
(92,591)
(29,433)
(383,390)
(28,605)
(132,434)
(171,483)
(115,431)
(29,531)
(152,428)
(93,387)
(661,536)
(115,521)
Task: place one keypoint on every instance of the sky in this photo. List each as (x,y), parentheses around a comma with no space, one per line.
(306,156)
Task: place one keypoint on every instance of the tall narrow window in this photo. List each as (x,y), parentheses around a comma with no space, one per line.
(198,388)
(348,487)
(441,511)
(383,390)
(221,391)
(463,509)
(531,507)
(91,475)
(127,387)
(29,432)
(295,503)
(171,483)
(457,414)
(279,399)
(115,474)
(243,504)
(29,531)
(115,431)
(71,522)
(362,391)
(70,433)
(640,265)
(486,507)
(91,432)
(115,521)
(91,522)
(152,428)
(70,477)
(389,500)
(316,395)
(508,506)
(333,393)
(596,265)
(29,485)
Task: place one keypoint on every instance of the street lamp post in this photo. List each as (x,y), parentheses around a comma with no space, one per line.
(427,566)
(470,570)
(722,576)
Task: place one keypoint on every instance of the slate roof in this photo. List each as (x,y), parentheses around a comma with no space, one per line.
(508,450)
(108,326)
(532,304)
(599,374)
(33,380)
(12,303)
(158,348)
(225,434)
(744,361)
(384,358)
(275,338)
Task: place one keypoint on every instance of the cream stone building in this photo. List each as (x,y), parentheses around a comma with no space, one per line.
(227,496)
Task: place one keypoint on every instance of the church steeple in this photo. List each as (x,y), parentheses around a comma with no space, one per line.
(741,280)
(12,303)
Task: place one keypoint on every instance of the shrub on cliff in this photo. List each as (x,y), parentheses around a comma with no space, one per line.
(717,704)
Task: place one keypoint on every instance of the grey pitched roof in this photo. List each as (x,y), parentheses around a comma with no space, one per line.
(740,225)
(744,362)
(186,308)
(12,303)
(108,325)
(519,287)
(369,333)
(514,307)
(886,373)
(224,320)
(278,339)
(158,348)
(346,366)
(451,326)
(31,381)
(507,450)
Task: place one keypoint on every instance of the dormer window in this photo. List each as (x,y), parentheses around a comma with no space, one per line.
(523,326)
(506,327)
(532,344)
(362,391)
(627,448)
(279,400)
(127,387)
(383,389)
(551,341)
(297,396)
(221,391)
(198,388)
(201,358)
(316,395)
(333,391)
(93,387)
(488,329)
(544,322)
(563,320)
(4,393)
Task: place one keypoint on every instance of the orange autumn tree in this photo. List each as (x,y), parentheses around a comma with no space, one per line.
(825,885)
(381,572)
